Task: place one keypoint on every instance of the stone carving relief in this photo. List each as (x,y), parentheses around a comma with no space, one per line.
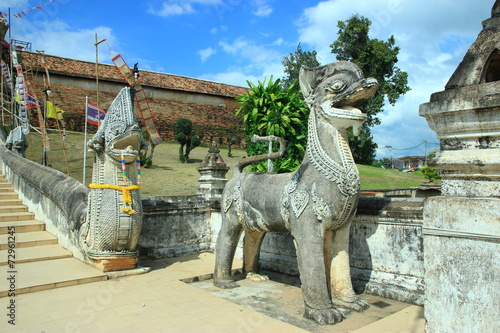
(320,207)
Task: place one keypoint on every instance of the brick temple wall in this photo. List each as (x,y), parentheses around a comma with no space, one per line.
(210,106)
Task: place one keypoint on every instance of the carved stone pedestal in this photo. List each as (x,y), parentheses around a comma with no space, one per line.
(213,171)
(114,263)
(461,228)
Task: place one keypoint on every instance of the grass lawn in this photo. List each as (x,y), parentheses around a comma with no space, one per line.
(378,178)
(169,176)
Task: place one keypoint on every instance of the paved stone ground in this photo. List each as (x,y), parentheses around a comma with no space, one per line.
(160,302)
(281,298)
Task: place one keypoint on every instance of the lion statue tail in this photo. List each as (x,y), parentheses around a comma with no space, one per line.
(242,164)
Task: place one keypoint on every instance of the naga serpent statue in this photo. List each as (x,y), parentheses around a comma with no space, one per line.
(114,217)
(315,203)
(16,141)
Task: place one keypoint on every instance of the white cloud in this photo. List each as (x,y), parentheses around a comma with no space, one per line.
(14,5)
(433,37)
(40,12)
(279,41)
(262,8)
(250,50)
(206,2)
(57,38)
(254,63)
(173,8)
(206,53)
(239,76)
(236,78)
(183,7)
(215,30)
(263,11)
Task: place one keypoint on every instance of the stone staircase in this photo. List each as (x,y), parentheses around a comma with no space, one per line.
(32,255)
(402,208)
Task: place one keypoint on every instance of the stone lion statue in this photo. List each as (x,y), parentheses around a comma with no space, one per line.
(315,203)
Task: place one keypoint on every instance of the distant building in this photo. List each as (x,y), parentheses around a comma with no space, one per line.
(393,163)
(406,162)
(413,162)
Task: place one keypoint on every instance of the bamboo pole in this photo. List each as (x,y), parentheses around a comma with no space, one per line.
(84,181)
(97,76)
(3,119)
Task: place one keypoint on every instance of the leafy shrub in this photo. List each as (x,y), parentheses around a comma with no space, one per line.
(183,129)
(270,109)
(430,173)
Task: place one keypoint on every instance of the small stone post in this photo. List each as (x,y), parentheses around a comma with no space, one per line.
(461,228)
(213,171)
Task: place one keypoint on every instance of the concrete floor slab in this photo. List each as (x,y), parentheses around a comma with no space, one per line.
(153,302)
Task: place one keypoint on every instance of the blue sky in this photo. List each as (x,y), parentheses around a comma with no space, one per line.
(232,41)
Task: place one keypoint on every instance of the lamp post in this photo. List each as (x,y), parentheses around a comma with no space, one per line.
(392,162)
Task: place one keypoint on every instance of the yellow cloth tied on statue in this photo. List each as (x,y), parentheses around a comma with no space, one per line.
(127,197)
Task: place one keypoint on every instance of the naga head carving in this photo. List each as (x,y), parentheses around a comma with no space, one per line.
(334,91)
(119,135)
(125,144)
(16,141)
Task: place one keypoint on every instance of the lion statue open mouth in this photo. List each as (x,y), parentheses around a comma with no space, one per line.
(315,203)
(126,145)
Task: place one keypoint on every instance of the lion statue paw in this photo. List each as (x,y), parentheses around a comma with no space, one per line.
(324,316)
(357,304)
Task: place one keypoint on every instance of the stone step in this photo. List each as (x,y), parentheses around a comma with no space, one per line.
(32,254)
(27,239)
(10,202)
(8,195)
(42,275)
(13,208)
(21,226)
(391,207)
(17,216)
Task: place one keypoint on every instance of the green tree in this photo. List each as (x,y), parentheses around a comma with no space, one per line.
(363,145)
(380,162)
(431,155)
(231,141)
(377,59)
(270,109)
(292,63)
(183,129)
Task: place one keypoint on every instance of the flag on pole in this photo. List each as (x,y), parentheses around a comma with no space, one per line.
(53,111)
(33,101)
(95,115)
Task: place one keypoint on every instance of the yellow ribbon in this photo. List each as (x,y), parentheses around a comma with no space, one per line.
(127,197)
